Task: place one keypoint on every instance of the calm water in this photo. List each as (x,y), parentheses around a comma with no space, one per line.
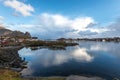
(89,58)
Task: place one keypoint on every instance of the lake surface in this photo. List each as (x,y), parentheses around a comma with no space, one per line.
(88,58)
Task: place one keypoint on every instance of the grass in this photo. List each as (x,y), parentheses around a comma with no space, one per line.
(6,74)
(49,43)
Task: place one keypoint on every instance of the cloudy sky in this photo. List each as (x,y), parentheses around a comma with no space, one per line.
(51,19)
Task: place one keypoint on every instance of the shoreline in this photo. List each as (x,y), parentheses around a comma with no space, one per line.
(7,74)
(9,58)
(70,77)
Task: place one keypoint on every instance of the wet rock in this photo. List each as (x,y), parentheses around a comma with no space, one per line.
(83,78)
(9,57)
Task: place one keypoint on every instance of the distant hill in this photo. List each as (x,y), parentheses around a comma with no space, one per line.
(10,33)
(4,31)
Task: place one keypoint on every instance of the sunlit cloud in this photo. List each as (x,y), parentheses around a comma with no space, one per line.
(24,9)
(60,21)
(53,25)
(57,26)
(61,26)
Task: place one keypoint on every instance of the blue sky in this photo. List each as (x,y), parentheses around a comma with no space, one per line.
(62,18)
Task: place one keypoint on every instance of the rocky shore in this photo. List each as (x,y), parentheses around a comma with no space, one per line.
(6,74)
(54,45)
(9,57)
(72,77)
(10,62)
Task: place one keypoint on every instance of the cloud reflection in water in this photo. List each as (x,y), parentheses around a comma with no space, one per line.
(74,60)
(47,57)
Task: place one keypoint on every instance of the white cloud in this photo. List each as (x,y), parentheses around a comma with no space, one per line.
(24,9)
(52,26)
(81,23)
(99,30)
(58,20)
(62,26)
(112,30)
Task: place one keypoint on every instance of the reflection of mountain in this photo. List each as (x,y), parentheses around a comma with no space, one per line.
(7,32)
(52,58)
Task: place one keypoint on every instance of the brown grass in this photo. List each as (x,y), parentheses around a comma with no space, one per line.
(6,74)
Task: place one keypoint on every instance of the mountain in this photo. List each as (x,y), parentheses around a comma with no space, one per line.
(10,33)
(4,31)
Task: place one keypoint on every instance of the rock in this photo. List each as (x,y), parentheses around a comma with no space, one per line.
(27,34)
(9,57)
(83,78)
(10,33)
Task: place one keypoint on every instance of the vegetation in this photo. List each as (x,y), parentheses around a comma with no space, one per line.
(48,43)
(6,74)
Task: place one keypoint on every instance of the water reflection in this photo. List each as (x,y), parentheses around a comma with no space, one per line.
(98,47)
(90,58)
(80,54)
(109,47)
(47,57)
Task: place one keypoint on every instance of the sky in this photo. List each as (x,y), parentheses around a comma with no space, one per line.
(52,19)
